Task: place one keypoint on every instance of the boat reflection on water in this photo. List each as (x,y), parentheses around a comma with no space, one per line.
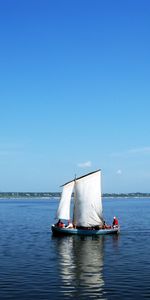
(80,265)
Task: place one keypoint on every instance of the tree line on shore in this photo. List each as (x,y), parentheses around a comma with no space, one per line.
(57,194)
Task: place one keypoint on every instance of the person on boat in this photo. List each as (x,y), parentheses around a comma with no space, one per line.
(115,222)
(105,226)
(60,224)
(70,225)
(102,226)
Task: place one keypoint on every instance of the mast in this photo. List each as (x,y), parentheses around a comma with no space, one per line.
(74,222)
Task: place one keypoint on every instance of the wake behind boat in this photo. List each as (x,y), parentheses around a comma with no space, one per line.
(87,211)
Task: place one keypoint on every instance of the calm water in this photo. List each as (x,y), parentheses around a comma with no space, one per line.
(35,265)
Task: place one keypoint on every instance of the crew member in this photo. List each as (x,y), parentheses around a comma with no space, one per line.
(60,224)
(115,222)
(70,225)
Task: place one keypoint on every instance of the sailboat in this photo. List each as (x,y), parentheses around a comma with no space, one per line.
(87,209)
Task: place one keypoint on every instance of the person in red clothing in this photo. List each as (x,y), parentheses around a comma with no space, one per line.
(115,222)
(60,224)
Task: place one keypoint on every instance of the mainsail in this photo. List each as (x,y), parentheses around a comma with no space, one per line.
(87,200)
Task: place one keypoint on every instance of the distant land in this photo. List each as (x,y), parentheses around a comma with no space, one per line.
(57,194)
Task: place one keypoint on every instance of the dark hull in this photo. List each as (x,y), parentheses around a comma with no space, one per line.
(72,231)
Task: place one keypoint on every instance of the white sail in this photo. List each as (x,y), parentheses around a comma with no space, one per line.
(63,211)
(88,201)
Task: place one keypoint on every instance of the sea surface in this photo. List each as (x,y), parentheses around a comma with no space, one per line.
(36,265)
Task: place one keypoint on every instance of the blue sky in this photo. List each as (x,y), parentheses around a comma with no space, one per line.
(75,93)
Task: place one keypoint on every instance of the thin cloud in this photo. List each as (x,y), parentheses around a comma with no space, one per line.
(86,164)
(119,172)
(143,150)
(140,150)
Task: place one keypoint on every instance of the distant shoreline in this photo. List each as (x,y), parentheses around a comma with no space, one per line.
(57,194)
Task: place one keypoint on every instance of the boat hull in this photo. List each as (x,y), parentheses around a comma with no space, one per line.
(72,231)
